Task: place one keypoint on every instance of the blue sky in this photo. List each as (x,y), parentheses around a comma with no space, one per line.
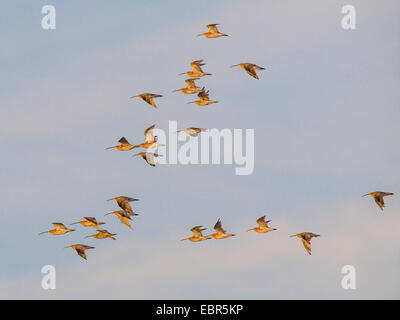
(325,114)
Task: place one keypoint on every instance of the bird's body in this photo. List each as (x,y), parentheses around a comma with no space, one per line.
(197,71)
(306,239)
(80,249)
(250,68)
(149,157)
(197,234)
(103,234)
(220,233)
(194,132)
(262,226)
(213,32)
(59,229)
(148,97)
(378,197)
(124,145)
(204,98)
(89,222)
(124,217)
(123,203)
(190,87)
(151,140)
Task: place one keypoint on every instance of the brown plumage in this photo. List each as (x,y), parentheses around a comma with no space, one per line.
(123,202)
(378,197)
(103,234)
(250,68)
(262,226)
(190,87)
(194,132)
(89,222)
(197,234)
(151,140)
(148,97)
(213,32)
(220,233)
(204,98)
(124,217)
(149,157)
(80,249)
(59,229)
(306,239)
(124,145)
(197,71)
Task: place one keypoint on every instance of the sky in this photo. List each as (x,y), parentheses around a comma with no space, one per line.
(325,113)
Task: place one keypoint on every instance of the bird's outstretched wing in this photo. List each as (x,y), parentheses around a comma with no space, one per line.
(148,133)
(307,245)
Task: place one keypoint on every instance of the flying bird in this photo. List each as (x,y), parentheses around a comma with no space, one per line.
(124,217)
(190,87)
(213,32)
(197,234)
(148,97)
(80,249)
(197,71)
(123,203)
(306,239)
(89,222)
(103,234)
(262,226)
(204,98)
(151,140)
(59,229)
(124,145)
(250,68)
(149,157)
(378,197)
(220,233)
(194,132)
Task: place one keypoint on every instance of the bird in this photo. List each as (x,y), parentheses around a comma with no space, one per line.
(80,249)
(194,132)
(197,71)
(262,226)
(151,140)
(124,145)
(250,68)
(103,234)
(124,217)
(190,87)
(378,197)
(89,222)
(149,157)
(204,98)
(59,229)
(148,97)
(197,234)
(123,203)
(220,233)
(306,239)
(213,32)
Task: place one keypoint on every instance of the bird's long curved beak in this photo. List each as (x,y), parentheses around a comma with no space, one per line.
(293,236)
(133,97)
(111,199)
(365,195)
(235,65)
(87,237)
(67,247)
(184,239)
(249,230)
(43,232)
(108,148)
(135,155)
(199,35)
(175,90)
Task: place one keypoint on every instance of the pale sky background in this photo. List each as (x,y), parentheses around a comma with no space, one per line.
(326,116)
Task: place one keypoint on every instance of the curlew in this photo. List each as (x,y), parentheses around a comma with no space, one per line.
(197,234)
(220,233)
(59,229)
(151,140)
(80,249)
(306,239)
(149,157)
(89,222)
(378,197)
(102,234)
(204,98)
(123,146)
(148,97)
(123,203)
(190,87)
(213,32)
(194,132)
(124,217)
(262,226)
(197,71)
(250,68)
